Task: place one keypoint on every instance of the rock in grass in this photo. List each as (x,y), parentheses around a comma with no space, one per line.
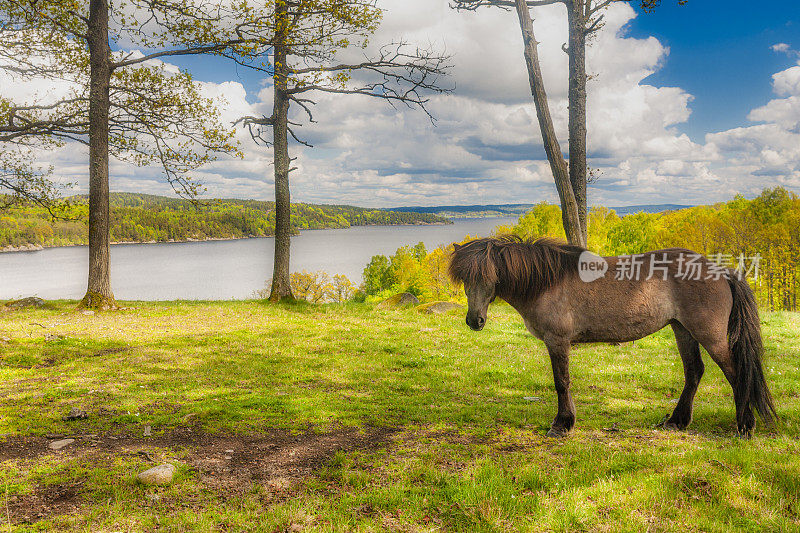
(438,308)
(76,413)
(60,444)
(158,475)
(403,299)
(25,302)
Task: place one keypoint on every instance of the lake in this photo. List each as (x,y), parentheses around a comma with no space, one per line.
(218,270)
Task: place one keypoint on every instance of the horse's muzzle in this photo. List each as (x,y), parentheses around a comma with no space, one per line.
(476,323)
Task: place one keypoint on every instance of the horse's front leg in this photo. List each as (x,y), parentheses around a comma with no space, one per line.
(559,358)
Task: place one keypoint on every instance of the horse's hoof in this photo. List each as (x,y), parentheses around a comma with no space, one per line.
(557,432)
(672,426)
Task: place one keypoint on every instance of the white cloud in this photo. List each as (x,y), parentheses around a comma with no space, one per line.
(485,146)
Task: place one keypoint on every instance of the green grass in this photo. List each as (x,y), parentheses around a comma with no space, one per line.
(465,450)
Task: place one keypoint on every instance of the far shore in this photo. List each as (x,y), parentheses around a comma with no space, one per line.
(40,247)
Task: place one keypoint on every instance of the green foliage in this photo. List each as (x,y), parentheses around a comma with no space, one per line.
(632,234)
(377,275)
(544,220)
(146,218)
(411,269)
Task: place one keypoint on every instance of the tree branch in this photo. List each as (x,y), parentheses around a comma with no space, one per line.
(472,5)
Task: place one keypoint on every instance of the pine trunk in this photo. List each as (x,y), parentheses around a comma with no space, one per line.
(99,294)
(558,166)
(577,107)
(281,288)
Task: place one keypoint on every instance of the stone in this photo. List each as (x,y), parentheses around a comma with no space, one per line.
(31,301)
(438,308)
(60,444)
(87,313)
(148,431)
(76,413)
(403,299)
(158,475)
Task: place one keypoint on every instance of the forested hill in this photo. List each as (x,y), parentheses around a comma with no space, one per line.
(149,218)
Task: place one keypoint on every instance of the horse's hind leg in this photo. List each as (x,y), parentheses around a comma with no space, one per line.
(720,351)
(693,368)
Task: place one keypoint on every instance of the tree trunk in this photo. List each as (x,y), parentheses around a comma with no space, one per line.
(99,293)
(281,289)
(558,166)
(577,107)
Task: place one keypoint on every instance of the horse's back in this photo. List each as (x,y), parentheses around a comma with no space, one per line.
(637,296)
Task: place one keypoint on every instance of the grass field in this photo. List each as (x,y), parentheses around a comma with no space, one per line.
(348,418)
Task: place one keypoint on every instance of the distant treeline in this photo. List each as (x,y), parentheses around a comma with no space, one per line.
(148,218)
(505,210)
(766,228)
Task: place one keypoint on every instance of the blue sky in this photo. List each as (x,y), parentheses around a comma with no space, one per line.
(720,53)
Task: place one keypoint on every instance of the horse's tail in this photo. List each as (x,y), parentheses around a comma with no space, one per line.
(744,338)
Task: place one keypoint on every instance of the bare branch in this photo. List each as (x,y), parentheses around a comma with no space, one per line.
(255,126)
(472,5)
(196,50)
(595,25)
(402,76)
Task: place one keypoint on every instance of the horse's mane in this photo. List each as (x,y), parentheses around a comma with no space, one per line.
(516,266)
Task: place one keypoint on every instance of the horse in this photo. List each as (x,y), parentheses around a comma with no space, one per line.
(567,295)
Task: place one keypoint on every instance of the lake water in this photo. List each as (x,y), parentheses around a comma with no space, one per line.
(217,270)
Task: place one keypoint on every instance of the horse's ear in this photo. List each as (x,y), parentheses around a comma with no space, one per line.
(456,246)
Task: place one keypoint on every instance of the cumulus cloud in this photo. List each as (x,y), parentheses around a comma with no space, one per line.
(767,153)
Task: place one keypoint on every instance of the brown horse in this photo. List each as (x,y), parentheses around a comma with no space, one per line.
(566,295)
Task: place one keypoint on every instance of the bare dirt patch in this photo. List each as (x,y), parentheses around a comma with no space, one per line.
(110,351)
(228,464)
(45,501)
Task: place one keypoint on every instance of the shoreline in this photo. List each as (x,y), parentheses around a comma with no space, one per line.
(27,248)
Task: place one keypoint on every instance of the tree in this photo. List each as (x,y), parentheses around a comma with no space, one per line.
(341,289)
(23,181)
(312,287)
(123,103)
(310,38)
(584,17)
(377,275)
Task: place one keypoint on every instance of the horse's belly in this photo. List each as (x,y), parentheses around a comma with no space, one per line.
(613,327)
(620,333)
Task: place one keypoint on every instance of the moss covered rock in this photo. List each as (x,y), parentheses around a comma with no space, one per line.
(25,303)
(403,299)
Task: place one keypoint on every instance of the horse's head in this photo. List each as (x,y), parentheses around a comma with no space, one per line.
(509,267)
(479,296)
(473,264)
